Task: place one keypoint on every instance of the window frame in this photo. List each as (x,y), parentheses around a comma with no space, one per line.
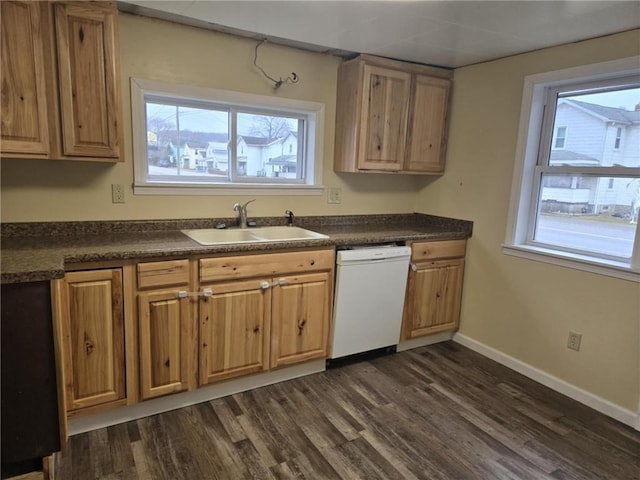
(534,142)
(311,140)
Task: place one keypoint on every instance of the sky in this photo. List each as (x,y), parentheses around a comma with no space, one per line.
(626,99)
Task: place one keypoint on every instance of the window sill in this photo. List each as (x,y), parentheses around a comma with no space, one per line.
(578,262)
(231,189)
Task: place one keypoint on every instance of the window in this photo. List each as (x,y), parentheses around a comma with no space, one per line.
(193,140)
(618,139)
(576,203)
(560,138)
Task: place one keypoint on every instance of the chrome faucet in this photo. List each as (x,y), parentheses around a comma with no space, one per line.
(242,213)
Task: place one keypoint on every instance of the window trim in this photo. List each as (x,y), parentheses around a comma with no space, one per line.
(530,141)
(314,112)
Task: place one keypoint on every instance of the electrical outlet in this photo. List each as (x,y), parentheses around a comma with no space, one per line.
(335,195)
(574,341)
(117,193)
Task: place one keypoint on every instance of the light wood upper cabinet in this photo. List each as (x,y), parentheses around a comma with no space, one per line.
(90,322)
(427,139)
(300,325)
(88,80)
(165,328)
(60,81)
(391,117)
(383,123)
(434,290)
(25,126)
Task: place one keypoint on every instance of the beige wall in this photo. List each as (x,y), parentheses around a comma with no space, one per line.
(49,191)
(520,307)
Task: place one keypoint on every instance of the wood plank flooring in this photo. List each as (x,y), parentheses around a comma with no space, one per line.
(436,412)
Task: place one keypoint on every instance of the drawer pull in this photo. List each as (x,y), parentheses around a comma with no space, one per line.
(414,267)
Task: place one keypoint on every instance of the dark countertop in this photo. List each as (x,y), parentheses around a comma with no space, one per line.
(41,251)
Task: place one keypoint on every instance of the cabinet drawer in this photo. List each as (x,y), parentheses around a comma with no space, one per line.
(441,249)
(161,274)
(225,268)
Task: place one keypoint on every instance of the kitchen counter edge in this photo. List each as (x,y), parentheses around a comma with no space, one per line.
(42,251)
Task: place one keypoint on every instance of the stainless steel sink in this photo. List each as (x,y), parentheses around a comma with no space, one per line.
(214,236)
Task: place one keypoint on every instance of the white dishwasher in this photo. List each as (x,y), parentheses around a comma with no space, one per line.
(369,298)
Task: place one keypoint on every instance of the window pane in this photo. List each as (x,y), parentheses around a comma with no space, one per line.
(268,146)
(588,213)
(187,142)
(597,129)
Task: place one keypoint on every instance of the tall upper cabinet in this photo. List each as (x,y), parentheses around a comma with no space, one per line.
(391,117)
(60,81)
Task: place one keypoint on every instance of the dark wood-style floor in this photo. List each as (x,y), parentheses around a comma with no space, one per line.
(437,412)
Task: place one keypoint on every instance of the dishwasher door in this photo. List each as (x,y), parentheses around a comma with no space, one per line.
(369,298)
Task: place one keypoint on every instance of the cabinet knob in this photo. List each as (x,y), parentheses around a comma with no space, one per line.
(264,285)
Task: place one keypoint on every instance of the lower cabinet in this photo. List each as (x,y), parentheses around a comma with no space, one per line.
(142,330)
(434,290)
(90,327)
(300,325)
(234,330)
(263,311)
(165,328)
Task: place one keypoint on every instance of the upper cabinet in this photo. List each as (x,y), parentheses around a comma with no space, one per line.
(62,100)
(25,125)
(391,117)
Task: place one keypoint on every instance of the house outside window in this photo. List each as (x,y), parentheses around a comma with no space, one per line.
(193,140)
(577,203)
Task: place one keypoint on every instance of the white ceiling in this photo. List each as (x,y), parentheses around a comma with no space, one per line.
(444,33)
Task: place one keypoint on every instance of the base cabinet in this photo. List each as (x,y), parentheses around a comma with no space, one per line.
(434,289)
(165,328)
(90,323)
(142,330)
(161,316)
(234,330)
(300,326)
(263,311)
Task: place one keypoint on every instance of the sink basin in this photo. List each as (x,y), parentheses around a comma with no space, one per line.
(214,236)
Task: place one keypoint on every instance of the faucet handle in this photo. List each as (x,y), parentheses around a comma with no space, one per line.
(245,205)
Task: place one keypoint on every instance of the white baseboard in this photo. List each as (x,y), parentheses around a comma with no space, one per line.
(606,407)
(423,341)
(203,394)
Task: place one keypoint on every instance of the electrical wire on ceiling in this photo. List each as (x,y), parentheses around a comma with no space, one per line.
(293,78)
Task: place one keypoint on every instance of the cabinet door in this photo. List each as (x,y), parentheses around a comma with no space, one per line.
(92,326)
(234,326)
(88,79)
(383,124)
(300,321)
(25,126)
(164,336)
(433,298)
(427,125)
